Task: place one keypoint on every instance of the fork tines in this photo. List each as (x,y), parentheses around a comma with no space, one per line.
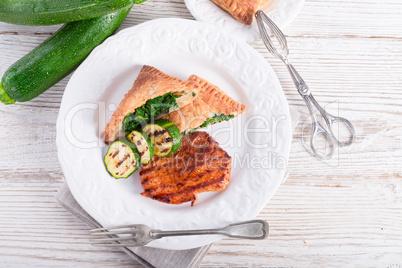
(112,236)
(130,229)
(131,226)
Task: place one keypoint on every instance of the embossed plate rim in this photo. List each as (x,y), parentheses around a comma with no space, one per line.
(110,202)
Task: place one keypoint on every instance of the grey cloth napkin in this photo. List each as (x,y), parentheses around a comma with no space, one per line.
(149,257)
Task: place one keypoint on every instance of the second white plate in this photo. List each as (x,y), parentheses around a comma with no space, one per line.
(258,140)
(282,12)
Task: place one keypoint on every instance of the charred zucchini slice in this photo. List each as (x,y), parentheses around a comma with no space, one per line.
(122,159)
(165,137)
(144,145)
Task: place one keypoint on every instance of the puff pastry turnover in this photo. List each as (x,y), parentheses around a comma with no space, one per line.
(210,100)
(150,83)
(242,10)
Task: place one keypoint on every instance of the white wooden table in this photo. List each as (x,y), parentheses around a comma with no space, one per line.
(344,213)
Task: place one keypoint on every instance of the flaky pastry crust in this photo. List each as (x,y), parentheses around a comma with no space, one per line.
(210,99)
(241,10)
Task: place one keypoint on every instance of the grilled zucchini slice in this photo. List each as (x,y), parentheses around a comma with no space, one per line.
(122,159)
(165,137)
(144,145)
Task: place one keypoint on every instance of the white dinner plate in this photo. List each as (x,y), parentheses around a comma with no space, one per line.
(282,12)
(180,48)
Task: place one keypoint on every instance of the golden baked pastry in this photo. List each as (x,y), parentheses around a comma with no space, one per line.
(241,10)
(211,100)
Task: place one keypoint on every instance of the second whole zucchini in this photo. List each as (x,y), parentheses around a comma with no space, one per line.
(50,12)
(56,57)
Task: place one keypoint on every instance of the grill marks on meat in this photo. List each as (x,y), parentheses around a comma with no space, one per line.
(200,165)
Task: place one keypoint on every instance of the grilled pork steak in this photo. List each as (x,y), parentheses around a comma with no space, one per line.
(200,165)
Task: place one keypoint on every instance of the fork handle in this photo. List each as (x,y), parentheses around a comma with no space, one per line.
(255,229)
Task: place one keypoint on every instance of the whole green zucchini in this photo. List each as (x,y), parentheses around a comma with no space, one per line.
(56,57)
(50,12)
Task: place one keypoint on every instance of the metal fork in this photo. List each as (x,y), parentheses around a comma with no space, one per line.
(303,89)
(139,234)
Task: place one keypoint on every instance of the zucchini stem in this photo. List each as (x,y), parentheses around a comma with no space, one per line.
(4,97)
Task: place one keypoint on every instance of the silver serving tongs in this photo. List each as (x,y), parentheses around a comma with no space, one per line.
(304,91)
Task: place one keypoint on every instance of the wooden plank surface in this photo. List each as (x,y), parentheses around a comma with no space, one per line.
(346,212)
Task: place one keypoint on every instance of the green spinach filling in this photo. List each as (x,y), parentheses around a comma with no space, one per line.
(213,120)
(151,109)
